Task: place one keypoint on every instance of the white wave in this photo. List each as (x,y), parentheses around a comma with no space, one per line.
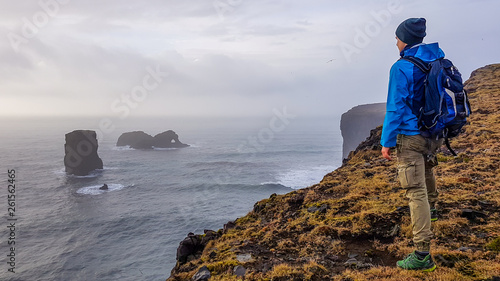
(110,168)
(93,174)
(268,182)
(60,172)
(300,178)
(165,148)
(95,189)
(127,148)
(122,148)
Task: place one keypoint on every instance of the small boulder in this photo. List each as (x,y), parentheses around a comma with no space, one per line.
(464,249)
(188,246)
(354,263)
(244,258)
(229,225)
(239,271)
(351,262)
(472,215)
(193,244)
(352,255)
(203,274)
(322,209)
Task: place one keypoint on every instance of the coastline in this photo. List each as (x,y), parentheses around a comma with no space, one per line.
(355,222)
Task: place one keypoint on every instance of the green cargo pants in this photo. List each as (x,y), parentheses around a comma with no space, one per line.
(416,159)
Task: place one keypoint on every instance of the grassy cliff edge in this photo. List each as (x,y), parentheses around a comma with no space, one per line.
(355,223)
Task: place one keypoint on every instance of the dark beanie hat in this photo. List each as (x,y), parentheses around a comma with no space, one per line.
(411,31)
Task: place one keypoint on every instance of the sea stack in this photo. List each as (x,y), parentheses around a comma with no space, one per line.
(81,153)
(141,140)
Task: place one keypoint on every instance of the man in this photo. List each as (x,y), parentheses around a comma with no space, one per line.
(416,155)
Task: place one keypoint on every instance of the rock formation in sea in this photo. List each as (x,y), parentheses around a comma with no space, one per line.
(355,124)
(168,139)
(81,153)
(141,140)
(136,139)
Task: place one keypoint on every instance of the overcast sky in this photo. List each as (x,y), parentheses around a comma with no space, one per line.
(220,57)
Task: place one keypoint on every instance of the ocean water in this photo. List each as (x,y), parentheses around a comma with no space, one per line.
(68,229)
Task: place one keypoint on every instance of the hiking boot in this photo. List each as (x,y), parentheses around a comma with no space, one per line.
(412,262)
(434,214)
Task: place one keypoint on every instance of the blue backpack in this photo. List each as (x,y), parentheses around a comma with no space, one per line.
(445,106)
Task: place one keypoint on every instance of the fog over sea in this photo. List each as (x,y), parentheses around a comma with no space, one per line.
(68,229)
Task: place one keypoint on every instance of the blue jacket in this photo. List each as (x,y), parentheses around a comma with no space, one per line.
(406,81)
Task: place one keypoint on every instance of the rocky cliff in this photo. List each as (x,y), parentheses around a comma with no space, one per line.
(355,223)
(141,140)
(80,156)
(355,124)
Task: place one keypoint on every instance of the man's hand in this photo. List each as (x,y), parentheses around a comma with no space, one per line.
(386,153)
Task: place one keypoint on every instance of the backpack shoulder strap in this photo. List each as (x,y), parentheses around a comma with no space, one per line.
(447,142)
(423,66)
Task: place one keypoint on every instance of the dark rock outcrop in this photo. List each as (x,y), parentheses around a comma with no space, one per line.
(239,271)
(136,139)
(168,139)
(81,153)
(194,244)
(355,124)
(141,140)
(203,274)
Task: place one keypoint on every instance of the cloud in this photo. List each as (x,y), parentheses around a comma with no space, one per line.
(256,56)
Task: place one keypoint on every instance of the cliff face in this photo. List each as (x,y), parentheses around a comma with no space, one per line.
(355,124)
(355,223)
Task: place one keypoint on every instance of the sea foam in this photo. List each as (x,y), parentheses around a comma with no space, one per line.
(300,178)
(95,189)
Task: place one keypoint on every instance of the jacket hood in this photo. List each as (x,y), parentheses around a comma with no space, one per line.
(425,52)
